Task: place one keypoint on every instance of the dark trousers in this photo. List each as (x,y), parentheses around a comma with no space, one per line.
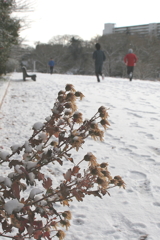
(130,69)
(98,71)
(51,69)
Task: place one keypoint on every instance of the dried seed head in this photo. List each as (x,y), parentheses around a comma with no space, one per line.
(70,87)
(54,143)
(79,94)
(103,115)
(114,181)
(106,174)
(67,215)
(121,183)
(77,117)
(71,105)
(65,223)
(104,123)
(77,142)
(71,97)
(103,165)
(61,93)
(96,134)
(60,234)
(94,171)
(89,157)
(117,178)
(117,181)
(103,112)
(61,98)
(101,109)
(68,105)
(94,125)
(102,182)
(68,112)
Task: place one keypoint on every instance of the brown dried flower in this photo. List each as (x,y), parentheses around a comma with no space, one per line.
(96,171)
(67,215)
(68,112)
(60,234)
(96,134)
(77,117)
(101,109)
(61,98)
(65,223)
(61,92)
(77,142)
(106,174)
(103,165)
(70,87)
(71,105)
(103,112)
(105,123)
(71,97)
(102,182)
(80,95)
(117,181)
(89,157)
(94,125)
(103,115)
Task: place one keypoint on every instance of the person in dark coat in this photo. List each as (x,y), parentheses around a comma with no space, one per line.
(51,64)
(130,60)
(99,57)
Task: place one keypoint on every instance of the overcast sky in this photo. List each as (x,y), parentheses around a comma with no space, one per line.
(85,18)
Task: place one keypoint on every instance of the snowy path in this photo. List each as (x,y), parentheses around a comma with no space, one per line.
(131,147)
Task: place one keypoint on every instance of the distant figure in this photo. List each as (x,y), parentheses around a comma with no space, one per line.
(130,60)
(99,58)
(51,64)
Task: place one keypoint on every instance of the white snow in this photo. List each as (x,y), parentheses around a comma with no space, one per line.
(4,155)
(34,192)
(28,148)
(37,126)
(131,147)
(13,205)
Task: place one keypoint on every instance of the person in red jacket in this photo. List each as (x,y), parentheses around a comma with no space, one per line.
(130,60)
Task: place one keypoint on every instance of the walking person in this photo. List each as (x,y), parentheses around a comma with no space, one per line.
(130,60)
(99,57)
(51,64)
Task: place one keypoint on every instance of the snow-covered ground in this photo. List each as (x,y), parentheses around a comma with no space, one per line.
(131,146)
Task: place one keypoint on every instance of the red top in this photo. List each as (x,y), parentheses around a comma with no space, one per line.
(130,59)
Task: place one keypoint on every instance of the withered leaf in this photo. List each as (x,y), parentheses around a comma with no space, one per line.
(47,235)
(15,222)
(6,227)
(68,174)
(47,183)
(64,190)
(38,224)
(95,193)
(35,142)
(78,194)
(37,234)
(30,230)
(75,170)
(59,161)
(40,176)
(16,190)
(14,163)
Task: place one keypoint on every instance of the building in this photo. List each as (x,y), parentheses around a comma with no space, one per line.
(146,29)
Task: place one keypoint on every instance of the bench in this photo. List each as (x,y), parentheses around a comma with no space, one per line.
(26,75)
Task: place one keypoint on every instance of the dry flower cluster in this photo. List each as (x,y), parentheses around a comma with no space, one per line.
(28,199)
